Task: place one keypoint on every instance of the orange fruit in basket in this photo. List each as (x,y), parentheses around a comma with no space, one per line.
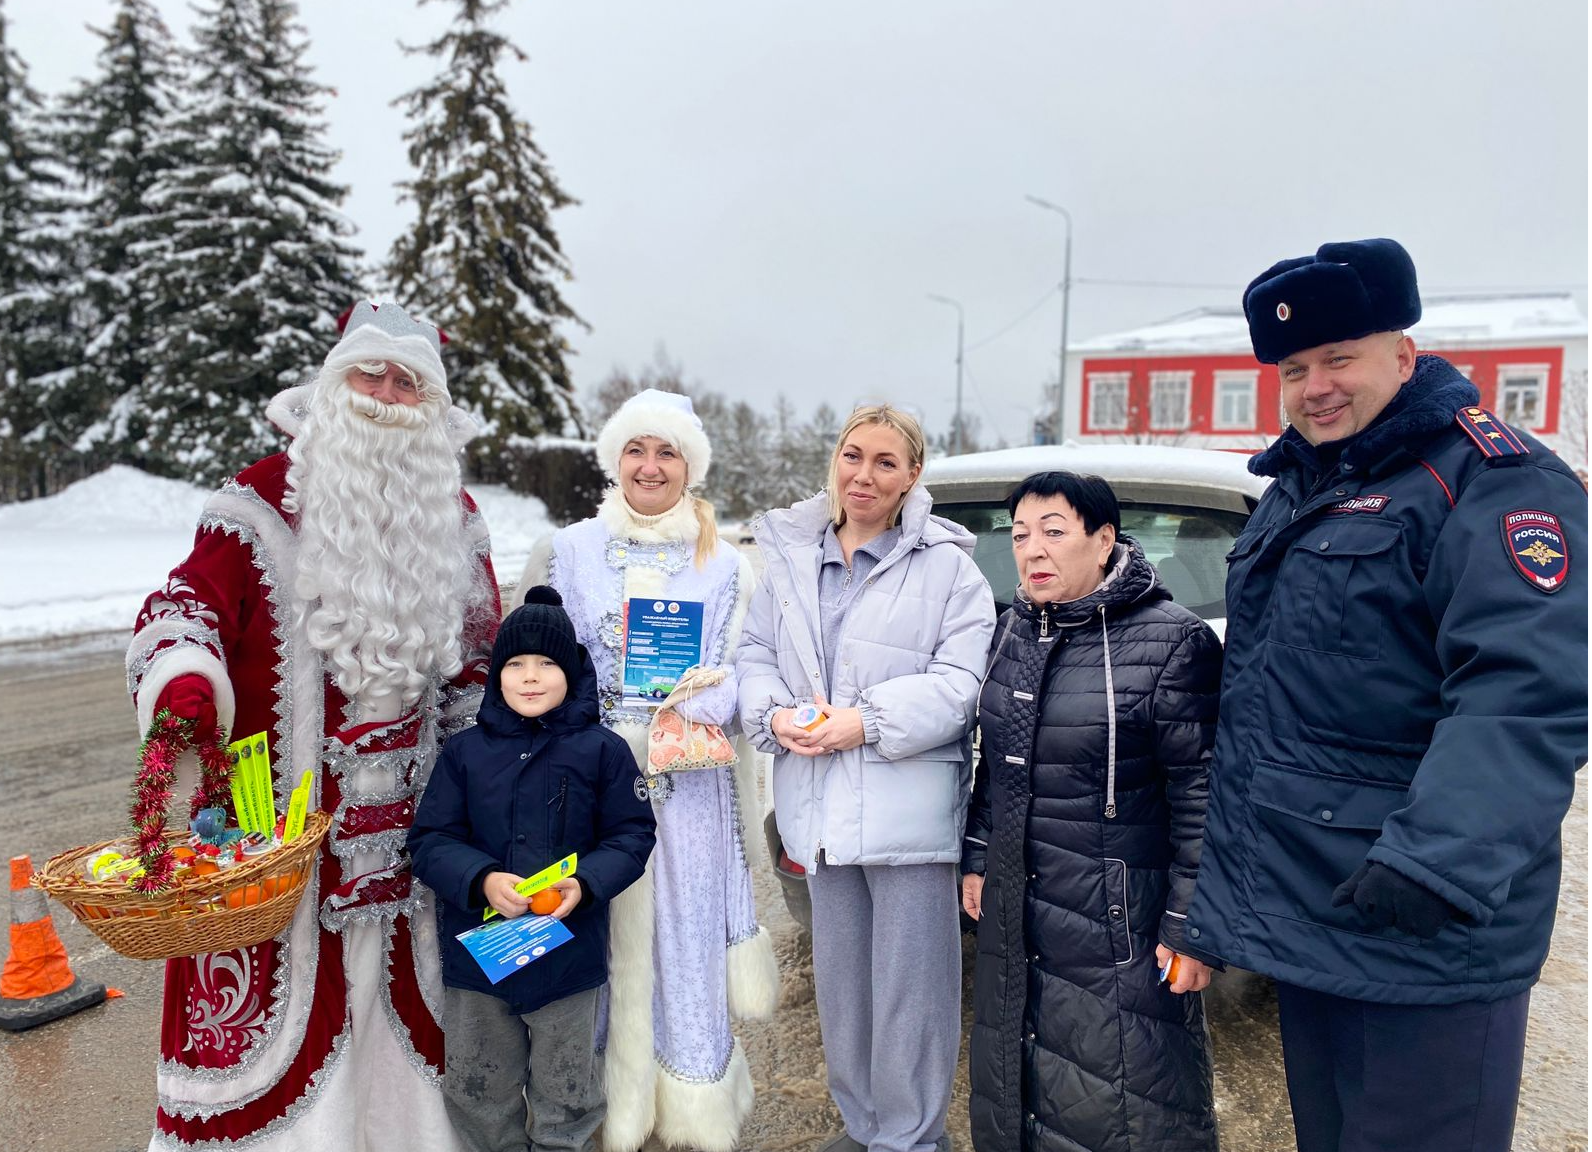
(244,895)
(204,866)
(546,902)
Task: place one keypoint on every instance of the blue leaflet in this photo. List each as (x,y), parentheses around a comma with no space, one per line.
(505,946)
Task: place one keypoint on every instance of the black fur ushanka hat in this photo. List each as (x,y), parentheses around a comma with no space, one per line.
(1345,291)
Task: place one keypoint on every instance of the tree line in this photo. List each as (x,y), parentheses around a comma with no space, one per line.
(172,254)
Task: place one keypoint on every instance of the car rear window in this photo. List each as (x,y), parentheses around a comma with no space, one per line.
(1188,546)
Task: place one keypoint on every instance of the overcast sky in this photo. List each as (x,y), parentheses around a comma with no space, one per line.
(771,191)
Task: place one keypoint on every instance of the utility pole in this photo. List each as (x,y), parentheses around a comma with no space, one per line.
(956,427)
(1066,298)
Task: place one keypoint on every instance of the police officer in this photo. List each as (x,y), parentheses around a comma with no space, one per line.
(1403,712)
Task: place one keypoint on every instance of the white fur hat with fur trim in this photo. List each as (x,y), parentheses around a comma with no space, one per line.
(386,332)
(666,415)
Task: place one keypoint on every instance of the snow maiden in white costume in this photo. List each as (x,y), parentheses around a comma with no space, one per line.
(686,952)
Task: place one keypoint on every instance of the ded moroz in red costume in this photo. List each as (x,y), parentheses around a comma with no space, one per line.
(328,1035)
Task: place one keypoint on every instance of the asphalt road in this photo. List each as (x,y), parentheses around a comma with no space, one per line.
(86,1083)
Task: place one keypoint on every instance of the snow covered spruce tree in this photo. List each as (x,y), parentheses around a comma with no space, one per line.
(788,476)
(112,133)
(36,262)
(739,483)
(482,260)
(248,266)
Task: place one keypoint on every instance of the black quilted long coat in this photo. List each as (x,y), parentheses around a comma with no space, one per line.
(1088,835)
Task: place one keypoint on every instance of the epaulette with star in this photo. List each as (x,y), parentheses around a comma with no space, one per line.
(1491,435)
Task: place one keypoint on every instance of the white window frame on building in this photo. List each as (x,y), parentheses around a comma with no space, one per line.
(1230,381)
(1114,384)
(1519,385)
(1169,400)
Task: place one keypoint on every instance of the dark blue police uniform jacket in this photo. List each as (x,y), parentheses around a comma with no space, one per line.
(1405,682)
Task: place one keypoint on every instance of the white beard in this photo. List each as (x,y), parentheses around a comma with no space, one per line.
(383,565)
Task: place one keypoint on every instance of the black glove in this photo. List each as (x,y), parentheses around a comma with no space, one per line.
(1389,900)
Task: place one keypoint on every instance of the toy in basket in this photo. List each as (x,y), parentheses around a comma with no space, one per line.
(165,893)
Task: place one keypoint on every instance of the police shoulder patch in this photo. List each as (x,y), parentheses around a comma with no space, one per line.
(1537,547)
(1492,437)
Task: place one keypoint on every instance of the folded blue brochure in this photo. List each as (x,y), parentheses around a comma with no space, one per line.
(503,947)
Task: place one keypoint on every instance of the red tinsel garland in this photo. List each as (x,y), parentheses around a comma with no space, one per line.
(168,737)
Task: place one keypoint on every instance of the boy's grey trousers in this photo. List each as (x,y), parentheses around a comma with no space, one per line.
(498,1062)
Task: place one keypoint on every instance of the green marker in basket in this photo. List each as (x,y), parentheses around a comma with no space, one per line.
(264,795)
(251,775)
(298,804)
(242,801)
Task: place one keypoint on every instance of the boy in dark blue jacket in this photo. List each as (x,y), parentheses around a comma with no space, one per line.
(536,779)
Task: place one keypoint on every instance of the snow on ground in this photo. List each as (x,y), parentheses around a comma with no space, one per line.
(84,559)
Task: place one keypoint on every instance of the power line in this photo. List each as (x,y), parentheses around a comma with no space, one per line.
(1035,307)
(989,414)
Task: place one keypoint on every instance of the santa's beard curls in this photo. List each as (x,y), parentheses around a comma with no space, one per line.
(383,560)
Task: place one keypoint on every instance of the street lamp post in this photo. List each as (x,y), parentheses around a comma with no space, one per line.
(956,427)
(1066,296)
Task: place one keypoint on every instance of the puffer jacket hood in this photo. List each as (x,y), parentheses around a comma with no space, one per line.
(1130,578)
(578,710)
(807,520)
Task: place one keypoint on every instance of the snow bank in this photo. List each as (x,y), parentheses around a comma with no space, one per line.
(84,559)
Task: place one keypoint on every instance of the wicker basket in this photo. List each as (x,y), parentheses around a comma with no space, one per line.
(198,914)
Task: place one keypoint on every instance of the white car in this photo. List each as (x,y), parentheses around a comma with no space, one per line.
(1184,506)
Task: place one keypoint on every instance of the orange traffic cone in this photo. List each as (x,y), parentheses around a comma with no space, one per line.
(37,984)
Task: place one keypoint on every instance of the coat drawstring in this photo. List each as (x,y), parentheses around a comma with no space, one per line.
(1111,723)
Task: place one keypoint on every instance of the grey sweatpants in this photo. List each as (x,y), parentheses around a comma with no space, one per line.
(887,970)
(498,1061)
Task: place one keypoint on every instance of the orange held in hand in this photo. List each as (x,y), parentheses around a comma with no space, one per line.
(546,902)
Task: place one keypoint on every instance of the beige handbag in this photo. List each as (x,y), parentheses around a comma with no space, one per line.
(675,744)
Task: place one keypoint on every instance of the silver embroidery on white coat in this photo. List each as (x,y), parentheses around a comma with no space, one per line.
(426,914)
(668,556)
(312,1093)
(336,918)
(680,1074)
(400,1030)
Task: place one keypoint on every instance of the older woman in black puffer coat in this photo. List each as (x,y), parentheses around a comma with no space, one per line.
(1098,716)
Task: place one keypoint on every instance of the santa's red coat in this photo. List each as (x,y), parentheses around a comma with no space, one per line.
(326,1036)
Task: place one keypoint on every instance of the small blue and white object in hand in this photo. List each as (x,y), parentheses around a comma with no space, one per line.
(809,716)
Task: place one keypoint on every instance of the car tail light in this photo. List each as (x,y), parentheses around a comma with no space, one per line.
(786,864)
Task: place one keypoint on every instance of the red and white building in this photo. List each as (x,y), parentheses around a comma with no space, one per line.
(1193,380)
